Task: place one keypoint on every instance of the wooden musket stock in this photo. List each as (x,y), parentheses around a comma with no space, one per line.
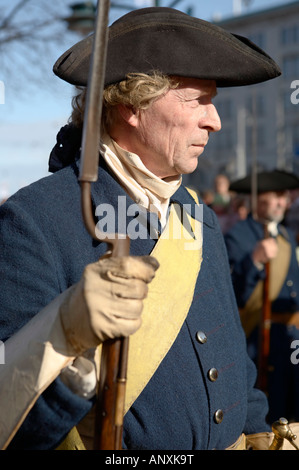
(111,390)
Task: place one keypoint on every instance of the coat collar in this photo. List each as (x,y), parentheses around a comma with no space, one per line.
(184,198)
(258,228)
(108,190)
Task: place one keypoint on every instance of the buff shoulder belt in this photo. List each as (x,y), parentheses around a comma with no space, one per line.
(179,252)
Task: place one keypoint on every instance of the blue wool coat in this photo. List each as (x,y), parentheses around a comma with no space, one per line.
(284,375)
(44,249)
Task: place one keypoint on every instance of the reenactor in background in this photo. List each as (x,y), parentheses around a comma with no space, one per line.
(249,251)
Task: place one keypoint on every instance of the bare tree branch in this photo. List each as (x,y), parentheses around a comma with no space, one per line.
(12,13)
(33,34)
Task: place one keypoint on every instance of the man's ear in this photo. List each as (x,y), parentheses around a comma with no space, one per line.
(129,114)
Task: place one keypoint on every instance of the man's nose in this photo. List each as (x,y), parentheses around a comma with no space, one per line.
(213,121)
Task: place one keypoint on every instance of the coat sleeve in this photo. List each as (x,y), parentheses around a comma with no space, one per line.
(28,282)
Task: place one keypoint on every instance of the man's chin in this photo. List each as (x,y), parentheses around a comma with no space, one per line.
(190,168)
(276,218)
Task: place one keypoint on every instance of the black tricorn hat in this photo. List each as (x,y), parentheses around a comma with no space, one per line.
(275,180)
(173,43)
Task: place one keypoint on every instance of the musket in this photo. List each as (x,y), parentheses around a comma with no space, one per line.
(265,320)
(111,389)
(265,326)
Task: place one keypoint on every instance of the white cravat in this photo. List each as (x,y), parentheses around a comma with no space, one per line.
(272,228)
(145,188)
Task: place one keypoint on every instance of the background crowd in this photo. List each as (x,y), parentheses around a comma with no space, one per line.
(230,207)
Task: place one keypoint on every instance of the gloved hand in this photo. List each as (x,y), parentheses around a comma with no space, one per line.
(265,250)
(107,302)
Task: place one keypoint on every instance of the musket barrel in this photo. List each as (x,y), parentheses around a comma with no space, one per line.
(92,119)
(111,392)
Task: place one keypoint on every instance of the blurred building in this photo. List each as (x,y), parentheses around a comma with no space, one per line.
(260,123)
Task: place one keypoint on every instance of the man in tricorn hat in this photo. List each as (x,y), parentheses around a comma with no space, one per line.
(190,382)
(251,244)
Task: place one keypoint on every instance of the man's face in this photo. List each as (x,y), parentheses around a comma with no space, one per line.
(271,206)
(173,132)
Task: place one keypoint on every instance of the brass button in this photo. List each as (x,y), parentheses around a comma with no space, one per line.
(201,337)
(218,416)
(293,294)
(213,374)
(290,283)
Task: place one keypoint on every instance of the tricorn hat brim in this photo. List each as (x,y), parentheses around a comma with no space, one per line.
(173,43)
(276,180)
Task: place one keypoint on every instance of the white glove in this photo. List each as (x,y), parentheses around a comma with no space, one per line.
(107,302)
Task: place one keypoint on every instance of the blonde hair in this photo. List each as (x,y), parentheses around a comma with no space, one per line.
(138,91)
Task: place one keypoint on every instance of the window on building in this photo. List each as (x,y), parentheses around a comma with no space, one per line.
(290,35)
(224,140)
(260,138)
(295,139)
(259,38)
(259,106)
(290,67)
(224,108)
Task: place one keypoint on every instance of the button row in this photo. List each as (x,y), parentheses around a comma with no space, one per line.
(293,293)
(212,375)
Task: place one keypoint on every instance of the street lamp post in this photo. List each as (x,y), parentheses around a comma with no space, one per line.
(82,18)
(83,14)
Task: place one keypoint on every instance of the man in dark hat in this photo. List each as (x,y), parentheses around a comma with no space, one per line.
(190,382)
(251,245)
